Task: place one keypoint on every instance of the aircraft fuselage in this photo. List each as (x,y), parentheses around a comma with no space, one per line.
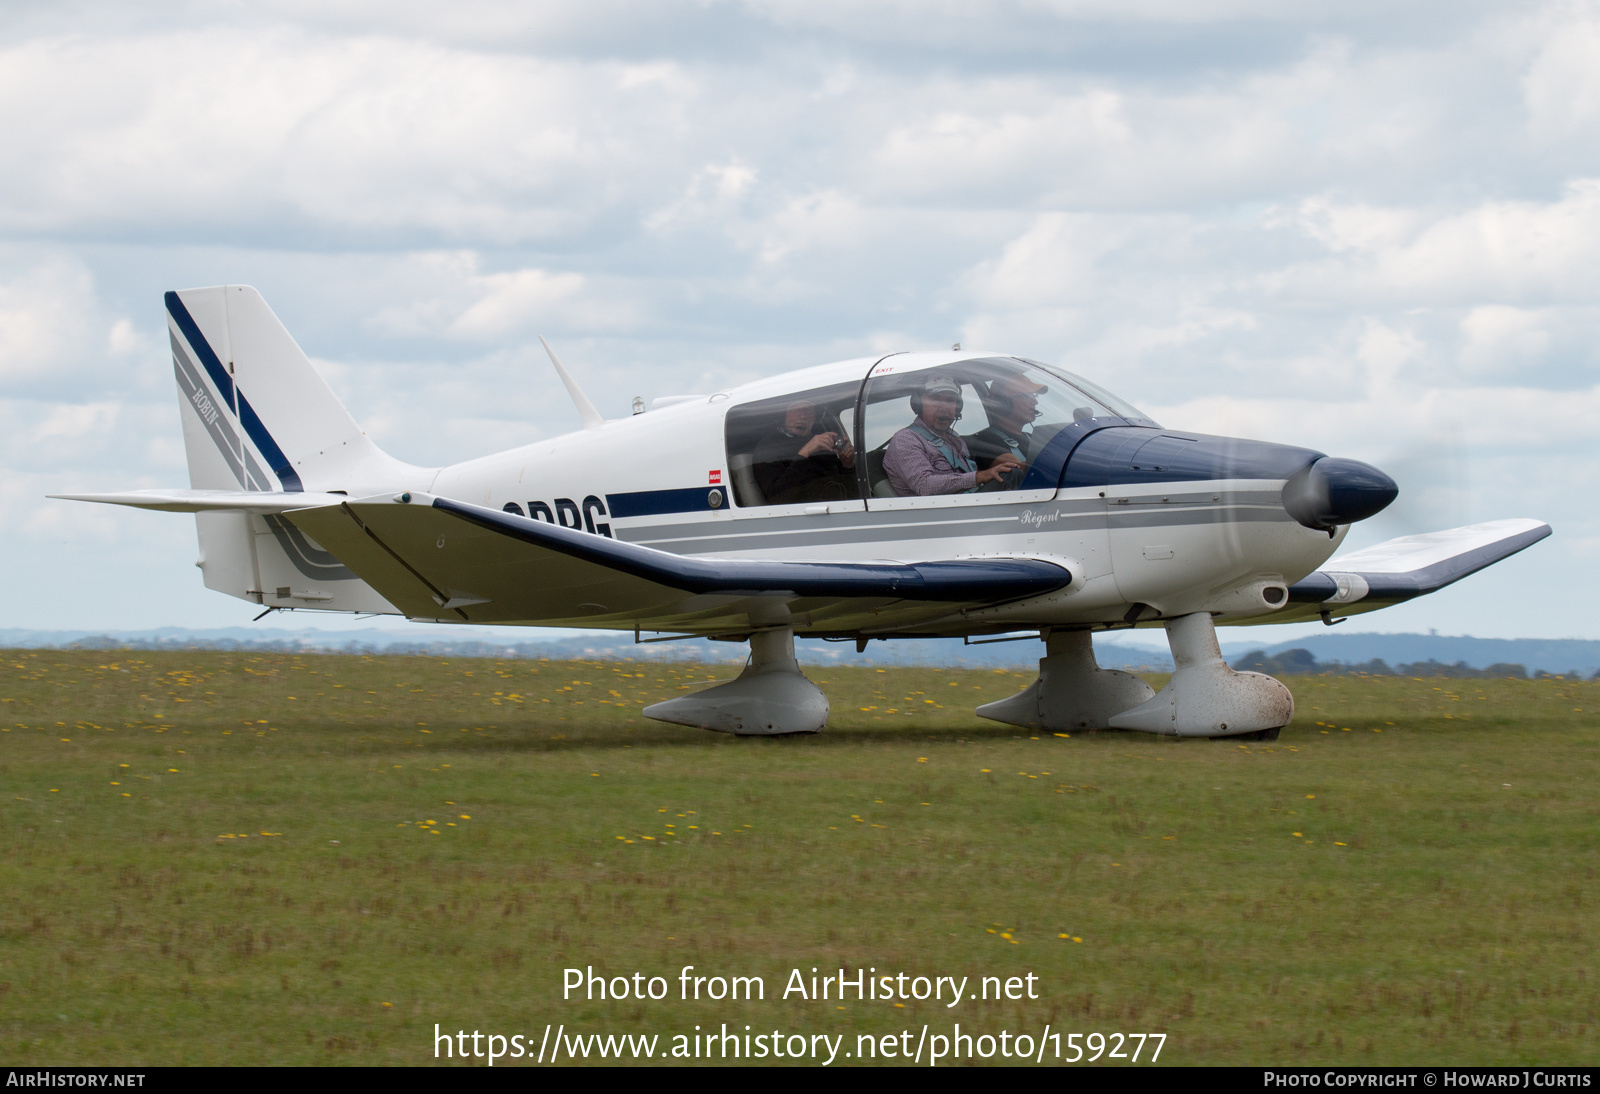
(1152,523)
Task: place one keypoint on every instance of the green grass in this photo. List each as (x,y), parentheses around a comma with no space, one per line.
(1407,876)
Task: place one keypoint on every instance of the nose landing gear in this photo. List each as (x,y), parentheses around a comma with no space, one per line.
(1206,698)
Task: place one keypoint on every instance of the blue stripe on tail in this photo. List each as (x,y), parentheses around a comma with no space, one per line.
(253,426)
(202,349)
(268,447)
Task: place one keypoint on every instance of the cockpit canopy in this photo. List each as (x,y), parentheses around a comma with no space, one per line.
(829,443)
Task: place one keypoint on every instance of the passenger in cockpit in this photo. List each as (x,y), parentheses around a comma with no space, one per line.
(928,457)
(1012,403)
(793,464)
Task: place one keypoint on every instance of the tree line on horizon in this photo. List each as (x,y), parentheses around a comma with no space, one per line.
(1292,662)
(1301,662)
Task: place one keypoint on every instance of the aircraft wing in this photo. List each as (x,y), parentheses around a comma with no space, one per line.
(207,501)
(1403,569)
(436,557)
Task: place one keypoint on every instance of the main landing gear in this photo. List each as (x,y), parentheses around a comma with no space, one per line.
(1072,691)
(1204,698)
(769,698)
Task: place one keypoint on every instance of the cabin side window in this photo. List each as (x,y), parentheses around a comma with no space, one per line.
(794,448)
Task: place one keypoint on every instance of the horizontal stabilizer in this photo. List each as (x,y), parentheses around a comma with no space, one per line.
(490,566)
(1405,568)
(209,501)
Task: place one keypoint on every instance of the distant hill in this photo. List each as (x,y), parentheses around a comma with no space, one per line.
(1555,655)
(526,643)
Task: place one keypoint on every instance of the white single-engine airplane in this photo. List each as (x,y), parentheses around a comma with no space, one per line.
(839,502)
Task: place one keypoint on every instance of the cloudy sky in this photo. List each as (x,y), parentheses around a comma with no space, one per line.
(1368,228)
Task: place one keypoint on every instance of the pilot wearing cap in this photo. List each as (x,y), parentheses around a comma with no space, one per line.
(1012,403)
(928,457)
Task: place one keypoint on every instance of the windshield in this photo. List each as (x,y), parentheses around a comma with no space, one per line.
(1004,412)
(1113,405)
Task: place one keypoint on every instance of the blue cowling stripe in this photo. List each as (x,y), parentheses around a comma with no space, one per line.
(1148,454)
(268,447)
(202,348)
(993,579)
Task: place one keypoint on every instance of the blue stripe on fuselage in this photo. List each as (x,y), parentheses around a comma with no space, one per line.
(649,503)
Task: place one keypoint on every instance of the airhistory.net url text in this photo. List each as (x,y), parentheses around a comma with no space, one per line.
(557,1045)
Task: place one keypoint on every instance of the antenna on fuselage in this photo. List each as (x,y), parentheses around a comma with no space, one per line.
(586,411)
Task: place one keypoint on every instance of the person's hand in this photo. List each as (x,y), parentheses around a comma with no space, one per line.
(818,445)
(997,470)
(847,454)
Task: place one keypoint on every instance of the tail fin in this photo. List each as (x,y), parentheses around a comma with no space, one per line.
(258,417)
(261,417)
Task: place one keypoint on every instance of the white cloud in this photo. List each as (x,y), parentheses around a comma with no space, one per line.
(73,422)
(43,315)
(1501,338)
(511,301)
(1561,87)
(245,133)
(454,300)
(716,190)
(1522,251)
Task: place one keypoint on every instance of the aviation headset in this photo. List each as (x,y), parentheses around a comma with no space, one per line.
(930,386)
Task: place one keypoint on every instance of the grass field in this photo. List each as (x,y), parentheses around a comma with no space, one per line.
(272,859)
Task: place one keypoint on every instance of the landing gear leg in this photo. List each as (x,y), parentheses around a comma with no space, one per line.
(1072,692)
(1206,698)
(769,698)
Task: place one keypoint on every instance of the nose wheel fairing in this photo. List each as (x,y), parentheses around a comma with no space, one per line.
(1206,698)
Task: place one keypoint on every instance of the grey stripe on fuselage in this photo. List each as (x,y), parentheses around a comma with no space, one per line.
(1249,506)
(1216,514)
(227,441)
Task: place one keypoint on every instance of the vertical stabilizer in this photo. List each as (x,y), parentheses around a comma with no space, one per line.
(257,416)
(263,418)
